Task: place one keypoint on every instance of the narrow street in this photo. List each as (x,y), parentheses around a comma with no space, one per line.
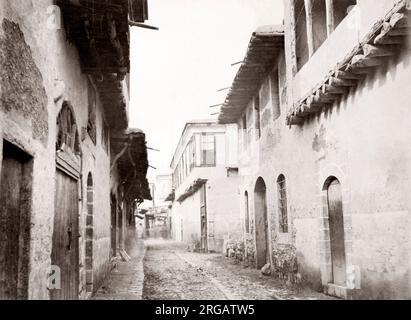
(267,140)
(165,270)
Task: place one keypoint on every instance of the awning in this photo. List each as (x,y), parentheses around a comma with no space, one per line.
(100,31)
(130,157)
(265,45)
(193,188)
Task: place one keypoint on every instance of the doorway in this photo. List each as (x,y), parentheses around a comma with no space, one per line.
(261,223)
(65,246)
(120,230)
(113,226)
(89,235)
(65,252)
(247,214)
(203,217)
(15,195)
(337,237)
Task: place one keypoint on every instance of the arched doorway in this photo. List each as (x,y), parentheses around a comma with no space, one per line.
(261,223)
(337,236)
(89,234)
(65,250)
(246,213)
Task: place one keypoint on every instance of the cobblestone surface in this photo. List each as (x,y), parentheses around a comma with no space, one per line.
(126,280)
(165,270)
(173,273)
(169,277)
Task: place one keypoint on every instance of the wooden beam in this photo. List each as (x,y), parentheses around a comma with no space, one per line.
(118,156)
(295,120)
(399,32)
(304,110)
(326,98)
(361,61)
(329,4)
(334,90)
(384,39)
(340,75)
(399,20)
(371,51)
(310,26)
(292,37)
(141,25)
(398,26)
(314,105)
(362,71)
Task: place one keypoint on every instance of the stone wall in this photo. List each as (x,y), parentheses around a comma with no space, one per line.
(39,70)
(363,141)
(223,212)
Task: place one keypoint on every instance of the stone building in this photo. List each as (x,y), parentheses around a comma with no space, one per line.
(157,215)
(163,187)
(71,171)
(205,210)
(257,103)
(329,172)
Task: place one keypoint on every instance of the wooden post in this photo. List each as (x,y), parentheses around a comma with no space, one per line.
(292,37)
(329,4)
(310,34)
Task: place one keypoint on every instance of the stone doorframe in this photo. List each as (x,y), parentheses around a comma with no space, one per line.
(252,214)
(326,176)
(12,133)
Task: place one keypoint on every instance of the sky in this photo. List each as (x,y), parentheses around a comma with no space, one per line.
(176,71)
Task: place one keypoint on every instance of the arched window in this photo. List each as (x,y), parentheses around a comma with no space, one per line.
(282,204)
(67,134)
(247,213)
(302,54)
(89,234)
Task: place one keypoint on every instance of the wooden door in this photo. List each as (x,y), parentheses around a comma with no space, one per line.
(14,211)
(113,226)
(203,221)
(120,229)
(261,224)
(247,214)
(65,252)
(335,211)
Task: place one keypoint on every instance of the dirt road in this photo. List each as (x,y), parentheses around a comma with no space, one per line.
(170,272)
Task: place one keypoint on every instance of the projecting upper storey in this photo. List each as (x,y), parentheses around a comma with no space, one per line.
(331,45)
(129,153)
(266,44)
(100,31)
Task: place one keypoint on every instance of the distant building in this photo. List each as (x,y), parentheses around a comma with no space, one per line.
(205,211)
(324,143)
(163,185)
(157,217)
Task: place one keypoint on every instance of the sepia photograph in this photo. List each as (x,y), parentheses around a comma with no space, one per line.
(202,156)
